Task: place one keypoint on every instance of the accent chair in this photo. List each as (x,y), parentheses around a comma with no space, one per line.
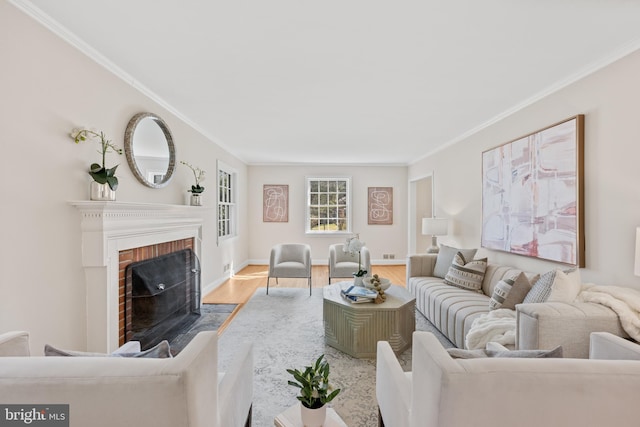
(344,264)
(290,260)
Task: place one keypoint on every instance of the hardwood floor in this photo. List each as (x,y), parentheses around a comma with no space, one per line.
(239,288)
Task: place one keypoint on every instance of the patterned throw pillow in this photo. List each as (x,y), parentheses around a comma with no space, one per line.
(445,258)
(466,275)
(509,292)
(541,290)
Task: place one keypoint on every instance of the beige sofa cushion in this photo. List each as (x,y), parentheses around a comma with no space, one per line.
(450,309)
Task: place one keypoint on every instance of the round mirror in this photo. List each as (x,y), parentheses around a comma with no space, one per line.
(149,148)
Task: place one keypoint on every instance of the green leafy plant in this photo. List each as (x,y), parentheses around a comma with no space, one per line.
(360,273)
(313,383)
(198,175)
(99,172)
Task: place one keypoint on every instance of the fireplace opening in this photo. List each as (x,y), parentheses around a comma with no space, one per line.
(162,297)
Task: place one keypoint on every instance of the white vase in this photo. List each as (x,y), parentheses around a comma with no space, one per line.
(313,417)
(101,192)
(357,281)
(196,199)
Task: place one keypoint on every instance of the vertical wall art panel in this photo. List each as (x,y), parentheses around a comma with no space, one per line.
(275,203)
(533,194)
(380,205)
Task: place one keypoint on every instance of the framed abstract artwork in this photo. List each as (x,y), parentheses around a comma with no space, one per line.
(380,205)
(275,203)
(533,194)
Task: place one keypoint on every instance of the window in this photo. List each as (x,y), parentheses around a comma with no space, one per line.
(226,201)
(328,205)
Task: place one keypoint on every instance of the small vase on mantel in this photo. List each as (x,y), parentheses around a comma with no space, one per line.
(101,192)
(313,417)
(196,199)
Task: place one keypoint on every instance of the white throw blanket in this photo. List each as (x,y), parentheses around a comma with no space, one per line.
(624,301)
(496,326)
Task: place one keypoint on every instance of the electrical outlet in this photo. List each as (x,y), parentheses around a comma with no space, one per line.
(227,267)
(392,256)
(385,256)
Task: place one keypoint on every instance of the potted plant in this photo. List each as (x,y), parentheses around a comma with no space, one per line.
(197,189)
(104,182)
(315,391)
(352,246)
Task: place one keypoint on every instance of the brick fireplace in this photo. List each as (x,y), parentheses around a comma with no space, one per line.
(115,234)
(132,255)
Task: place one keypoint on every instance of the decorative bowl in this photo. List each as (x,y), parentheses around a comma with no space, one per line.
(384,283)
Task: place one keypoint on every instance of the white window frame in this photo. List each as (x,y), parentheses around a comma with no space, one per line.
(232,220)
(308,207)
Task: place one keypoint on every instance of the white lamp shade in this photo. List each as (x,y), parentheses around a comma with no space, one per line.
(636,269)
(435,226)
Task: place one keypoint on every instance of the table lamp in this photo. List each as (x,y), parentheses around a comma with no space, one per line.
(434,227)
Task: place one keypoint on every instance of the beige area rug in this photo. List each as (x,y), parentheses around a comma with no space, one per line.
(287,330)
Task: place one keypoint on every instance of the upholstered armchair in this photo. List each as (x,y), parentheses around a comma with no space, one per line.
(290,260)
(186,390)
(344,264)
(441,391)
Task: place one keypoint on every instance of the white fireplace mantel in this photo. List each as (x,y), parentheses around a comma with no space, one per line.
(111,227)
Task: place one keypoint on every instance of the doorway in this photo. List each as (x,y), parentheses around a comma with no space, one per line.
(420,206)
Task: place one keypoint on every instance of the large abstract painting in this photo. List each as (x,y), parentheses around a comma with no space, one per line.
(380,205)
(275,203)
(533,194)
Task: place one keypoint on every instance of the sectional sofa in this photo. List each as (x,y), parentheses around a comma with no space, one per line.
(538,325)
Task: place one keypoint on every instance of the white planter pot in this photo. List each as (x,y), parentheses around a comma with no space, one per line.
(357,280)
(196,199)
(102,192)
(313,417)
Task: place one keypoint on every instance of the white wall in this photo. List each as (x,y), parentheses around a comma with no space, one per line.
(48,87)
(609,100)
(380,239)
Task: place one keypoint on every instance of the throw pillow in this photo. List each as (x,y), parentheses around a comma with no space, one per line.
(509,292)
(541,290)
(458,353)
(496,346)
(540,354)
(445,258)
(497,350)
(160,351)
(14,344)
(466,275)
(566,286)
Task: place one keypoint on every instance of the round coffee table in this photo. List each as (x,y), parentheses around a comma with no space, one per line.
(356,328)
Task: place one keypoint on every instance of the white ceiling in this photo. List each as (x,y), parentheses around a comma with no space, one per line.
(349,81)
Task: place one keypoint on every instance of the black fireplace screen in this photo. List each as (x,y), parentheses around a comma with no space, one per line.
(162,297)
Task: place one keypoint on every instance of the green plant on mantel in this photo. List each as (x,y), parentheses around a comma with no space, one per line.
(313,383)
(198,174)
(99,172)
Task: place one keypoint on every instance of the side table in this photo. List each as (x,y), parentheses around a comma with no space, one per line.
(291,418)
